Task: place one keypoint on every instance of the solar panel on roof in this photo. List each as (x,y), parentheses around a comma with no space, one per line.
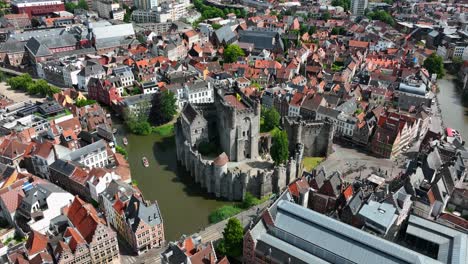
(27,186)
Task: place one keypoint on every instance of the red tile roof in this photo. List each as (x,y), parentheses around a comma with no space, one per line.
(12,148)
(36,243)
(42,257)
(72,123)
(232,100)
(270,64)
(204,255)
(221,160)
(84,217)
(297,99)
(43,149)
(75,238)
(358,44)
(13,198)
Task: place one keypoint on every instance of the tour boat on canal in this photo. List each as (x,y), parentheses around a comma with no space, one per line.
(453,135)
(145,162)
(125,141)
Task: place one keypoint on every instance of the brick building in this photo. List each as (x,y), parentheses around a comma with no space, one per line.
(37,7)
(100,239)
(138,221)
(103,91)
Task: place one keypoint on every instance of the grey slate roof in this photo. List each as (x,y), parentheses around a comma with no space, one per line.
(173,254)
(91,68)
(189,113)
(137,211)
(328,112)
(125,190)
(39,46)
(63,166)
(262,39)
(12,46)
(39,192)
(225,34)
(77,154)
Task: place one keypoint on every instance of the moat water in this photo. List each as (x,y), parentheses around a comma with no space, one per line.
(185,206)
(454,108)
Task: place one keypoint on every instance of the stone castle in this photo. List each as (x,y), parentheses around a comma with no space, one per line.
(316,137)
(232,122)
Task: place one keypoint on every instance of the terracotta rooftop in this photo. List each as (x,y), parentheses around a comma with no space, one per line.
(75,238)
(84,217)
(36,243)
(232,100)
(221,160)
(358,44)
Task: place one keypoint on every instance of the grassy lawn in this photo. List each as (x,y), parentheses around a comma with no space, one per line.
(164,130)
(310,163)
(228,211)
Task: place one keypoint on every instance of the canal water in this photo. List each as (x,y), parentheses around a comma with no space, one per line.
(454,108)
(184,205)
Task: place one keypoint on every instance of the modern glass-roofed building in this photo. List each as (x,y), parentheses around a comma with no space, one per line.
(289,233)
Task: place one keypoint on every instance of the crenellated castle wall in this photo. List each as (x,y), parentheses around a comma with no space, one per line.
(232,183)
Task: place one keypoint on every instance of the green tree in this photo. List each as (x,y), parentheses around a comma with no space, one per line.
(280,148)
(70,7)
(326,16)
(232,53)
(435,64)
(121,150)
(139,127)
(382,16)
(233,234)
(271,119)
(338,31)
(163,108)
(20,82)
(216,26)
(84,102)
(83,5)
(312,30)
(249,201)
(3,77)
(346,4)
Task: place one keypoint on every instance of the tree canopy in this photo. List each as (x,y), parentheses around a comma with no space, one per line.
(208,12)
(382,16)
(82,4)
(435,64)
(137,127)
(338,31)
(346,4)
(70,6)
(270,119)
(84,102)
(232,53)
(25,83)
(326,16)
(280,148)
(163,108)
(233,234)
